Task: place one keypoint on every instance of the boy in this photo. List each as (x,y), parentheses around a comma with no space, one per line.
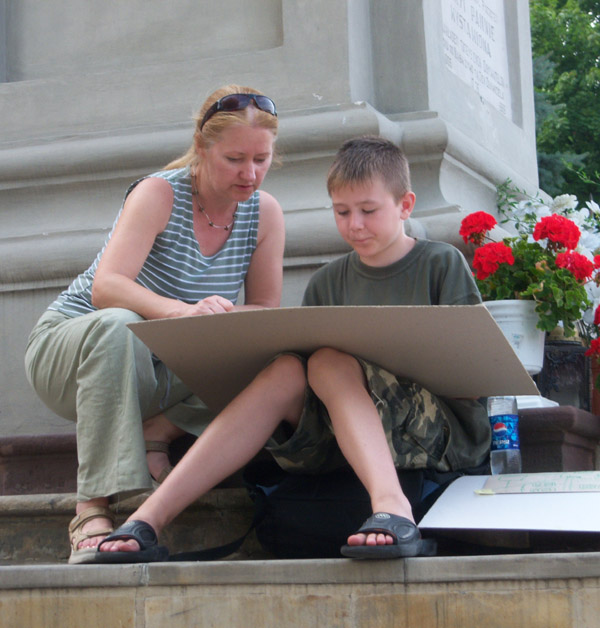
(352,412)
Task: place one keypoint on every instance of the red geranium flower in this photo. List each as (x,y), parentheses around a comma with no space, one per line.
(537,259)
(488,257)
(594,349)
(597,317)
(557,229)
(578,264)
(474,227)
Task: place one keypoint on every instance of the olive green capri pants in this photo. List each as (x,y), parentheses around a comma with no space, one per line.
(93,369)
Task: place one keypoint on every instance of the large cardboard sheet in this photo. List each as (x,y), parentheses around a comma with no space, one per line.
(454,351)
(465,505)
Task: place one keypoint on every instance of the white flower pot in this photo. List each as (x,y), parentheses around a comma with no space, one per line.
(517,319)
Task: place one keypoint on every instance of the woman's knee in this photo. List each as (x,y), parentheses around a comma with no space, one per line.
(114,319)
(108,331)
(85,348)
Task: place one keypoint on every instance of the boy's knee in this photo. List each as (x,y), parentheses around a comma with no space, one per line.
(326,364)
(326,359)
(286,369)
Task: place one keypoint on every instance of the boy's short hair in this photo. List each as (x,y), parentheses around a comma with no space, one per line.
(362,159)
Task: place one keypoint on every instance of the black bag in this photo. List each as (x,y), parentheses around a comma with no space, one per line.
(311,516)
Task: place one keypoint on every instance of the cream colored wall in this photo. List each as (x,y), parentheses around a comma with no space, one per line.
(98,93)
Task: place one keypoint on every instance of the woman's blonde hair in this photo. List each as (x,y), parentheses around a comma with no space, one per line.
(214,126)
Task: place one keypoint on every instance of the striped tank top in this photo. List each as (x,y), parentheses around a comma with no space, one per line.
(175,267)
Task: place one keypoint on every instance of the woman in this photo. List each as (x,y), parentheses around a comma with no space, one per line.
(185,241)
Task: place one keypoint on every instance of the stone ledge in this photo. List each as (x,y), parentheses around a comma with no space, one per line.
(275,594)
(520,567)
(561,438)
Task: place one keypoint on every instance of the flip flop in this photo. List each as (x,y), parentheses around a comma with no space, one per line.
(144,534)
(406,535)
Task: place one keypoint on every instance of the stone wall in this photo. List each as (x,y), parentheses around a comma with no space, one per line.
(96,94)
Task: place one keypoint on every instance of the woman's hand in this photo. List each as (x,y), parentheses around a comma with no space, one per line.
(214,304)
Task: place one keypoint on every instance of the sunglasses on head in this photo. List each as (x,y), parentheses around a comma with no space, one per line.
(237,102)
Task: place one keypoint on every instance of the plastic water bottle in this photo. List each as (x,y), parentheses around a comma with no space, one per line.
(505,455)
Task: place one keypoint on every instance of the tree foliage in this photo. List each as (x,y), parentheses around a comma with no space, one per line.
(565,38)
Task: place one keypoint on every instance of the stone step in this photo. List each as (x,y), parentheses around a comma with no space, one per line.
(523,591)
(562,438)
(33,528)
(531,587)
(37,477)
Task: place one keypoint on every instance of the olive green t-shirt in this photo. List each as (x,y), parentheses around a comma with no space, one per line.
(432,273)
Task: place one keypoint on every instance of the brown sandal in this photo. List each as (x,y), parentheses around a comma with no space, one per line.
(162,447)
(76,535)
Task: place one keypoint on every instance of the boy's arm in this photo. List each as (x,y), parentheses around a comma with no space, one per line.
(457,286)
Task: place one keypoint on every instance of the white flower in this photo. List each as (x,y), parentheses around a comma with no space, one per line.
(588,316)
(593,207)
(526,213)
(541,211)
(593,292)
(588,244)
(579,217)
(564,202)
(529,207)
(543,242)
(594,295)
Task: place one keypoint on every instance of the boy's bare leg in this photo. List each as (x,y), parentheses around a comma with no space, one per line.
(230,441)
(338,380)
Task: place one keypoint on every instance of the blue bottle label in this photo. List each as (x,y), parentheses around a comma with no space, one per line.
(505,431)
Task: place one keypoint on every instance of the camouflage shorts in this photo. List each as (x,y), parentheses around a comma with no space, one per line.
(414,421)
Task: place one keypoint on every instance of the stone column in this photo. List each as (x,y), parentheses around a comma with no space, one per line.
(92,99)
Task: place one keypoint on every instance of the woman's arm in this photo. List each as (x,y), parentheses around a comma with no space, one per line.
(264,278)
(145,214)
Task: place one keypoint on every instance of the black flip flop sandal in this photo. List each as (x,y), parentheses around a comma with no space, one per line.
(406,535)
(144,534)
